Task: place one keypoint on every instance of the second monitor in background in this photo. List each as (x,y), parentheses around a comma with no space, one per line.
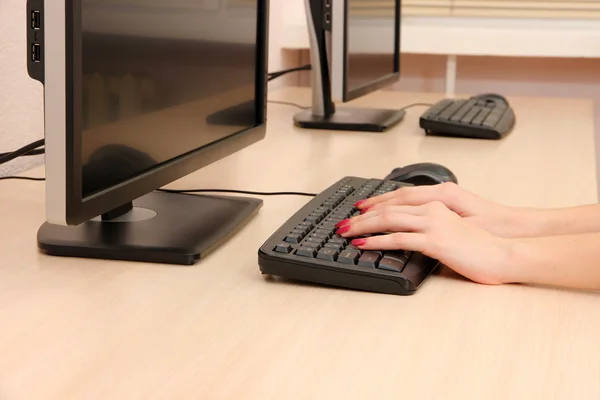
(340,34)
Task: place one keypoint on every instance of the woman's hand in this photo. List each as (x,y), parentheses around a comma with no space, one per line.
(437,232)
(497,219)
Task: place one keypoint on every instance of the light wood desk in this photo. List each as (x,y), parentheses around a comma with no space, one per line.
(88,329)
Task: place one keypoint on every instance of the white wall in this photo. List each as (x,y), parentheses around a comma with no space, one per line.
(21,105)
(278,57)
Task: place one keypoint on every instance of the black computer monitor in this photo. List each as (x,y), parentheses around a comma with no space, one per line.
(342,69)
(138,94)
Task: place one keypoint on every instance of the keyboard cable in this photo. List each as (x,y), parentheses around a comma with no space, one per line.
(27,150)
(184,191)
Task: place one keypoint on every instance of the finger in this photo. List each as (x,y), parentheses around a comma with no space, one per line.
(370,202)
(389,222)
(395,241)
(411,196)
(379,211)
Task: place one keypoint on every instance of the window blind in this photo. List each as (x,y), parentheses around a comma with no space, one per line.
(587,9)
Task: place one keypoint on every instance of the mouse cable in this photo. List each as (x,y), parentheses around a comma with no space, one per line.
(288,103)
(416,105)
(183,191)
(6,157)
(277,74)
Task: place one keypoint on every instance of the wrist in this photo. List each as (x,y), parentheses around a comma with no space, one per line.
(517,262)
(528,222)
(563,221)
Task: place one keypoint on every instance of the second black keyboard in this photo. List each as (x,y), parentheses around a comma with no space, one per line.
(307,248)
(487,116)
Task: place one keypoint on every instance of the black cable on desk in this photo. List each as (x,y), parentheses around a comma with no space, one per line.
(6,157)
(176,191)
(237,191)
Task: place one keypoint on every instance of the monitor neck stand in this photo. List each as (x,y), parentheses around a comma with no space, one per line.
(159,227)
(323,113)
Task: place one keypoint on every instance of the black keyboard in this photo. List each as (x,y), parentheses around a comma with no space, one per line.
(306,247)
(485,116)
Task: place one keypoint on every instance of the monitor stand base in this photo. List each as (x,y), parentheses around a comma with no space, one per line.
(351,119)
(161,228)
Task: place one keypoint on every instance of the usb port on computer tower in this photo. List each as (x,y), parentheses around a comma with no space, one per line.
(36,19)
(36,52)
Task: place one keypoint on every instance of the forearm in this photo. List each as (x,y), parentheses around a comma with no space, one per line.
(567,261)
(564,221)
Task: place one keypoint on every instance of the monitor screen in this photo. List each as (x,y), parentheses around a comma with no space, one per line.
(160,79)
(364,21)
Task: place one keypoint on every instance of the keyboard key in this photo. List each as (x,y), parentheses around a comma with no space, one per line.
(337,198)
(478,120)
(348,256)
(330,226)
(325,232)
(369,259)
(467,119)
(327,254)
(449,112)
(393,264)
(318,241)
(313,219)
(336,246)
(338,214)
(311,245)
(308,225)
(319,214)
(302,231)
(338,240)
(321,236)
(293,238)
(306,252)
(492,120)
(283,248)
(439,107)
(464,110)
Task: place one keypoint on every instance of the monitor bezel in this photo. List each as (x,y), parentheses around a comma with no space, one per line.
(65,204)
(339,55)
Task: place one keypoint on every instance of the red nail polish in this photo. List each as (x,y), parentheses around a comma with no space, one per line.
(358,242)
(343,229)
(358,204)
(365,210)
(342,223)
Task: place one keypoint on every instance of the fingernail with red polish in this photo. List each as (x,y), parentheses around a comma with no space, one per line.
(343,229)
(358,204)
(365,210)
(358,242)
(342,223)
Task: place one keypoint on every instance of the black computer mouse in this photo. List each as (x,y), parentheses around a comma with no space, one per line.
(422,174)
(491,97)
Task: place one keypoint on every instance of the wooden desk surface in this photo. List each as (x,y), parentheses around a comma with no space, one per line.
(89,329)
